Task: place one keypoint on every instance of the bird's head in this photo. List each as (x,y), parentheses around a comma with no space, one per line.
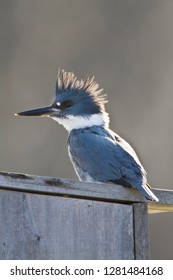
(78,103)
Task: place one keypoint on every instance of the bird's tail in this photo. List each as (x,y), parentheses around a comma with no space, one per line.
(146,190)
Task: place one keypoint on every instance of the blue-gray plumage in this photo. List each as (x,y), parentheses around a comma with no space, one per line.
(97,153)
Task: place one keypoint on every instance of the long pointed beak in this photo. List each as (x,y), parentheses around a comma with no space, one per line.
(40,112)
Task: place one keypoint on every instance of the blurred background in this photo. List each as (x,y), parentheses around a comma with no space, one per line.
(128,46)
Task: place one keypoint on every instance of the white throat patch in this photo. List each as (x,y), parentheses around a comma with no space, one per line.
(76,122)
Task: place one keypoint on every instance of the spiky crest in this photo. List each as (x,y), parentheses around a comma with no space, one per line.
(68,81)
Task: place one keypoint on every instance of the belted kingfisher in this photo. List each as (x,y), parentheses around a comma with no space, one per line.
(97,153)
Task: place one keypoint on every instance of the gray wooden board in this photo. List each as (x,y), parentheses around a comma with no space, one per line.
(141,236)
(52,227)
(99,191)
(64,187)
(52,218)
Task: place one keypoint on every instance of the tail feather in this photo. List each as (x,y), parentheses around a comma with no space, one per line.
(146,190)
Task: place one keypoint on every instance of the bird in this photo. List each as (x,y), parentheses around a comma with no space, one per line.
(97,153)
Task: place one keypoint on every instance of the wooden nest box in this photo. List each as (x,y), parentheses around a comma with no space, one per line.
(50,218)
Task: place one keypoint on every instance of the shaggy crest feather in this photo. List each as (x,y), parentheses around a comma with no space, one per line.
(68,81)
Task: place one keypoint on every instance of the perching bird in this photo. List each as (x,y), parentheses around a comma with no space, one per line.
(97,153)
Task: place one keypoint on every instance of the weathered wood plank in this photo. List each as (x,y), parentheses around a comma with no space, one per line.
(96,191)
(71,188)
(141,236)
(52,218)
(64,187)
(165,202)
(52,227)
(154,208)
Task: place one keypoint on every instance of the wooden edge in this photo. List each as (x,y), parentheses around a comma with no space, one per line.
(72,188)
(154,208)
(141,235)
(165,203)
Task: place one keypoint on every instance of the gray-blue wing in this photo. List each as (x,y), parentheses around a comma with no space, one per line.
(106,157)
(102,156)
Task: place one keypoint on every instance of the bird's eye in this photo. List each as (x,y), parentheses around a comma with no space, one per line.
(66,104)
(63,104)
